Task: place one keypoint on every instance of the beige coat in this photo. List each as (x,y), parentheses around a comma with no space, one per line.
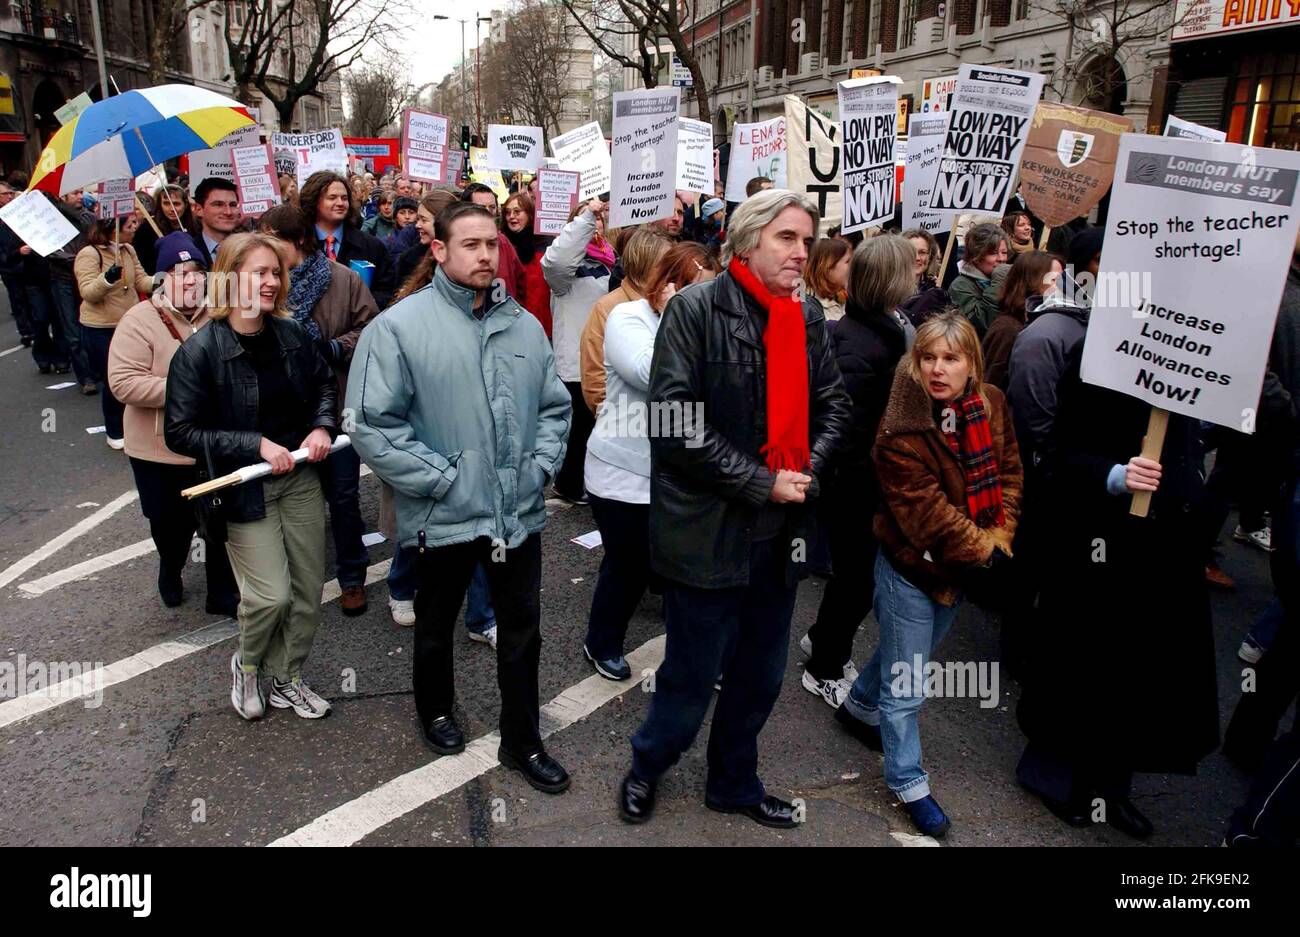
(138,360)
(102,303)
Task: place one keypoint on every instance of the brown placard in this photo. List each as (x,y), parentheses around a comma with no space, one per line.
(1069,160)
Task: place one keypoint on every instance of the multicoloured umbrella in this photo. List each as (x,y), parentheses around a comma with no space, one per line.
(125,135)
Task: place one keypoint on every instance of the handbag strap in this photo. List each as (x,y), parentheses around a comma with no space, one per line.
(171,326)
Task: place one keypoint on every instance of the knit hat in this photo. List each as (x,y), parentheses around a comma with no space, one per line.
(177,248)
(404,203)
(711,207)
(1084,246)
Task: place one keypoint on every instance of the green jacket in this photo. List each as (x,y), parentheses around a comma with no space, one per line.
(465,419)
(379,226)
(976,296)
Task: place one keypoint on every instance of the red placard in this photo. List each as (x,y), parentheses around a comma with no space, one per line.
(378,153)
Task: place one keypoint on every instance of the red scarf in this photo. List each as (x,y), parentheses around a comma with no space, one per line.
(787,373)
(972,443)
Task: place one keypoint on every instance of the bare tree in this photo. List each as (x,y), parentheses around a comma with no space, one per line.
(1105,37)
(287,49)
(523,74)
(610,22)
(376,97)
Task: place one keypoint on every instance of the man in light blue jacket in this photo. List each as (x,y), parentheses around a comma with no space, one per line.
(453,400)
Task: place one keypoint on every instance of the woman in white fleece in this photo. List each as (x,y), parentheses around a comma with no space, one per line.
(577,266)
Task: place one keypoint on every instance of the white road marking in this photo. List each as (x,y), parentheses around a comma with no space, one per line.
(914,839)
(88,568)
(10,351)
(88,504)
(82,527)
(151,658)
(350,822)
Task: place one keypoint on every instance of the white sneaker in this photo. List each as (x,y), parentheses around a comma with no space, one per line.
(245,691)
(1250,652)
(805,645)
(1262,538)
(299,697)
(403,611)
(832,691)
(487,637)
(115,443)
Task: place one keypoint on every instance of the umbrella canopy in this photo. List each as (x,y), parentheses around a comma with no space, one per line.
(127,134)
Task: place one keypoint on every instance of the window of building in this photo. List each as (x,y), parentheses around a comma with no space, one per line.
(1265,108)
(873,26)
(907,10)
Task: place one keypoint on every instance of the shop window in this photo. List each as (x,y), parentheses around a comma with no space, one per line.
(1266,102)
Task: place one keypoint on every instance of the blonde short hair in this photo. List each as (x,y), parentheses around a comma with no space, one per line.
(223,282)
(956,330)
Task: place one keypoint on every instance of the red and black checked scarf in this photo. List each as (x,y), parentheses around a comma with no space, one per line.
(787,373)
(973,445)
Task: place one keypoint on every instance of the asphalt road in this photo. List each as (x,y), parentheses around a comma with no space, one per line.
(164,760)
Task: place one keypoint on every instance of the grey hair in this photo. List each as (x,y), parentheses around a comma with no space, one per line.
(982,240)
(880,275)
(756,213)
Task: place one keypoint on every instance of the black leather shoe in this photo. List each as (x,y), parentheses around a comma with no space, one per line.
(1071,813)
(636,799)
(773,811)
(170,589)
(444,736)
(1125,817)
(539,769)
(867,735)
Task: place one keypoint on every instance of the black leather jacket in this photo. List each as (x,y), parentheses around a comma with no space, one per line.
(707,485)
(212,403)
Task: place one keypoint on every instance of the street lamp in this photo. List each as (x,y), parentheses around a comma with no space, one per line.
(478,79)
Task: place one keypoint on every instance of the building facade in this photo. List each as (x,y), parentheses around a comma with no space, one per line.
(754,52)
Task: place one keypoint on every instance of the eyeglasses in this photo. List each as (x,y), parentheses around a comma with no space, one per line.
(515,211)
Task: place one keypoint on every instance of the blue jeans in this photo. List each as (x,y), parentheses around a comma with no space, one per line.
(403,578)
(889,689)
(67,311)
(341,482)
(742,632)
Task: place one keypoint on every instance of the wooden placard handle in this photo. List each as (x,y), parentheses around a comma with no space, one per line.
(1042,238)
(1152,445)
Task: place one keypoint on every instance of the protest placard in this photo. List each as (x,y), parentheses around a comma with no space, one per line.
(306,153)
(115,198)
(1177,127)
(936,94)
(34,218)
(479,172)
(557,197)
(813,160)
(424,146)
(695,156)
(644,161)
(511,146)
(1190,225)
(756,150)
(868,118)
(378,153)
(991,111)
(925,136)
(255,179)
(1069,160)
(585,152)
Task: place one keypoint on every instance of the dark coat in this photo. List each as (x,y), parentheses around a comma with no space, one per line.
(1084,703)
(868,346)
(708,486)
(998,342)
(212,403)
(357,245)
(923,488)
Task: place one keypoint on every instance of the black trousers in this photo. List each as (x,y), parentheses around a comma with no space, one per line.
(569,481)
(515,583)
(848,596)
(172,523)
(1271,814)
(624,573)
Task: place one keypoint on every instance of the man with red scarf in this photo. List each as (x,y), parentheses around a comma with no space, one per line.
(749,406)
